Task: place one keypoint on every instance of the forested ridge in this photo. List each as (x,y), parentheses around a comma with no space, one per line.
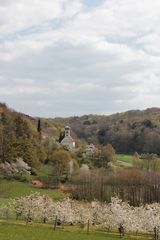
(19,137)
(128,132)
(32,139)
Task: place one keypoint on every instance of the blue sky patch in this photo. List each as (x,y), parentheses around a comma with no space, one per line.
(92,3)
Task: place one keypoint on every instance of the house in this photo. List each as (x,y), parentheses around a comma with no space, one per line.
(68,141)
(90,150)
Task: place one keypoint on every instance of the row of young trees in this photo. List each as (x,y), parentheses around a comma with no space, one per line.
(132,185)
(40,208)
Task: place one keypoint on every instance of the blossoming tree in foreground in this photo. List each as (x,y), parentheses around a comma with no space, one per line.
(41,208)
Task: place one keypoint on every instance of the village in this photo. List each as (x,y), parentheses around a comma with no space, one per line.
(79,120)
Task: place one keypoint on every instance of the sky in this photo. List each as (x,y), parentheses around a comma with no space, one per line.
(75,57)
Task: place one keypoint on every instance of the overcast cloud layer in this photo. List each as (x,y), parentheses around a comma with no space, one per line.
(72,57)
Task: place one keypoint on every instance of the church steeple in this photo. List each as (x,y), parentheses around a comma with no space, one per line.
(68,141)
(67,131)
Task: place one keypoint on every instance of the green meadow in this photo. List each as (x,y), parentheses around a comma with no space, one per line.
(13,189)
(10,231)
(124,160)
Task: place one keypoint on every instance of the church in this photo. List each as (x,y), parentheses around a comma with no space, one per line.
(68,141)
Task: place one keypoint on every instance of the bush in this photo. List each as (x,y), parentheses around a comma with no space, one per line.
(18,177)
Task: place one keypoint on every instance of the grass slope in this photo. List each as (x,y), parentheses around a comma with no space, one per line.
(23,232)
(124,160)
(13,189)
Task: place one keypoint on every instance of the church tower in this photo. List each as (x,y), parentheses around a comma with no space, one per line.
(67,131)
(68,141)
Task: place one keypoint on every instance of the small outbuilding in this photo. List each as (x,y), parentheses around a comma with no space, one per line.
(90,150)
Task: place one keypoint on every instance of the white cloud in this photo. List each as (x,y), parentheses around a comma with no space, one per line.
(21,14)
(81,59)
(21,87)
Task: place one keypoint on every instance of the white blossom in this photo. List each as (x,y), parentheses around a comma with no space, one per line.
(42,208)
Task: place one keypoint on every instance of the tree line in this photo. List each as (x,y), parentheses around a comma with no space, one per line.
(132,185)
(128,132)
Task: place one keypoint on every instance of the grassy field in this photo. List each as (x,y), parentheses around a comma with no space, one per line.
(124,158)
(10,231)
(13,189)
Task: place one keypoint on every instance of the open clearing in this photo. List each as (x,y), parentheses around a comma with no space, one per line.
(124,160)
(13,189)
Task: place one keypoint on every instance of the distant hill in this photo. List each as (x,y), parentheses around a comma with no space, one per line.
(128,132)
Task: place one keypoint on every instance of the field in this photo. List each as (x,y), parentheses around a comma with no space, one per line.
(124,160)
(13,189)
(10,231)
(15,230)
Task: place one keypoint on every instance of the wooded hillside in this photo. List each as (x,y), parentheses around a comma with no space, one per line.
(128,132)
(19,137)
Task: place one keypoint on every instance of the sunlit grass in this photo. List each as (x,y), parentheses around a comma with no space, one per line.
(124,158)
(10,231)
(13,189)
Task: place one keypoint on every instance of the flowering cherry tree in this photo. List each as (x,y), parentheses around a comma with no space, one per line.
(41,208)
